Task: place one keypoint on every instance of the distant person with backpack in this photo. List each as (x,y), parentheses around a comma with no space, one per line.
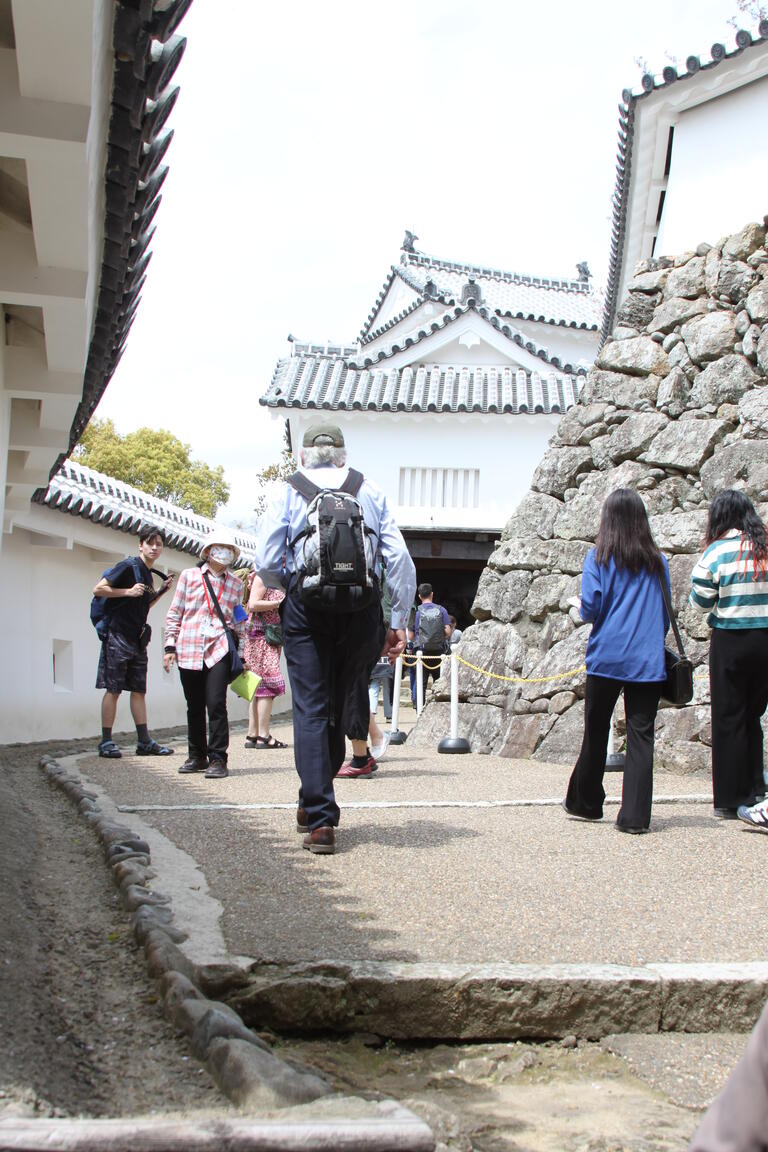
(323,538)
(121,604)
(431,632)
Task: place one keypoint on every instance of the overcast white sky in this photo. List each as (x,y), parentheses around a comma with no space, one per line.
(309,136)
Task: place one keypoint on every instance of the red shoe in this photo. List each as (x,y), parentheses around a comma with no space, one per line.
(349,772)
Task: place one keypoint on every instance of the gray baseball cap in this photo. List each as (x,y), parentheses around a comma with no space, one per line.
(321,434)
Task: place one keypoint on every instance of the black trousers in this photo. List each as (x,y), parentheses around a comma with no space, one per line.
(738,677)
(205,690)
(327,656)
(586,794)
(431,664)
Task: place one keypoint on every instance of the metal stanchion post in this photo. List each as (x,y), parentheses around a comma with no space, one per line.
(395,735)
(614,761)
(419,682)
(454,743)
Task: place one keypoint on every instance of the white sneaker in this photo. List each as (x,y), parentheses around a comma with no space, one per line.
(379,751)
(755,817)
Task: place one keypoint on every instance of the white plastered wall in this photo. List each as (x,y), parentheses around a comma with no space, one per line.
(48,567)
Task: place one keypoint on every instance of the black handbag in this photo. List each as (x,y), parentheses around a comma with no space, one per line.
(678,686)
(236,666)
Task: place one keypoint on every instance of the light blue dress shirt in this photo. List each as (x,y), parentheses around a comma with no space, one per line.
(287,517)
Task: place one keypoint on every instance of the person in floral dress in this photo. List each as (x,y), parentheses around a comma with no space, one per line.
(263,659)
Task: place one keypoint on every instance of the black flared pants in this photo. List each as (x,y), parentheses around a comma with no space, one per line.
(738,678)
(586,794)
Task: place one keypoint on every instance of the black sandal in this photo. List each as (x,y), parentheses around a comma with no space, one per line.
(270,742)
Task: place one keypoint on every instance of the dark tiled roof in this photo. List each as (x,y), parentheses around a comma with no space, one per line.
(311,381)
(413,339)
(567,303)
(82,492)
(650,83)
(147,54)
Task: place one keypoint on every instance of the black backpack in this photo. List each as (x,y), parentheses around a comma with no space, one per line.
(102,607)
(431,638)
(334,555)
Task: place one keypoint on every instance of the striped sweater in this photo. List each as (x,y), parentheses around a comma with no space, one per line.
(724,584)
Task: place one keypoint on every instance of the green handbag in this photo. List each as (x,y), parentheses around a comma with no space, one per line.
(273,634)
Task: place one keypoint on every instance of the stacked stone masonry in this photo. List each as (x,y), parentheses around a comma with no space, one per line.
(676,407)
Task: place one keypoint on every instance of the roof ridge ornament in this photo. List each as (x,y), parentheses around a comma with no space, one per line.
(409,241)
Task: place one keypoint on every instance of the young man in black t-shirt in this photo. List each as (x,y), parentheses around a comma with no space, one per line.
(123,658)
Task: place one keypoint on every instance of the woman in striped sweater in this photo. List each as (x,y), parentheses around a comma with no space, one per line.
(730,581)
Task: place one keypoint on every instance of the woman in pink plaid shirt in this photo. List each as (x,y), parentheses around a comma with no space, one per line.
(195,640)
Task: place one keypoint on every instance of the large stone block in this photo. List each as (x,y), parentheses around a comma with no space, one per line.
(668,495)
(621,389)
(559,469)
(454,1001)
(630,474)
(637,308)
(685,444)
(582,424)
(547,593)
(535,515)
(524,734)
(496,648)
(639,356)
(500,596)
(548,674)
(742,465)
(632,437)
(649,281)
(679,531)
(553,555)
(753,414)
(762,351)
(675,311)
(257,1079)
(709,337)
(562,743)
(711,997)
(687,280)
(741,245)
(757,303)
(724,381)
(735,279)
(579,520)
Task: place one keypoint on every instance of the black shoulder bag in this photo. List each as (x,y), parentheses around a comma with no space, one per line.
(235,662)
(678,686)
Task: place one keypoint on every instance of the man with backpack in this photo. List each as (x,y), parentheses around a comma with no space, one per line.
(431,632)
(323,538)
(122,599)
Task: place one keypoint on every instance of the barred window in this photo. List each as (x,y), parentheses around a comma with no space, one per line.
(439,487)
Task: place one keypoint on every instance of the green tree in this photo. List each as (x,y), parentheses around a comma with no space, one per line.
(270,476)
(155,461)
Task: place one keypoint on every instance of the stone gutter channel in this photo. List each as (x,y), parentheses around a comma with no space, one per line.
(215,1004)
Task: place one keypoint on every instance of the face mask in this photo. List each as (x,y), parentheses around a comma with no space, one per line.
(221,555)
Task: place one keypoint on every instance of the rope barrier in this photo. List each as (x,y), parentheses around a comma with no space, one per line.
(521,679)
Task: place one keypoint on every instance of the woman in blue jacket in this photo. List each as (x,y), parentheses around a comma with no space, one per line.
(621,594)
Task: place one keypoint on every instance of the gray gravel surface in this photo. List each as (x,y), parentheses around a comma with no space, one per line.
(461,884)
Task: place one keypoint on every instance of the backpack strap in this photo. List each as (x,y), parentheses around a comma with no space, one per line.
(353,482)
(304,486)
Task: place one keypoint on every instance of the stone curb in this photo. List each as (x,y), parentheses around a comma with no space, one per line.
(357,1126)
(493,1002)
(242,1065)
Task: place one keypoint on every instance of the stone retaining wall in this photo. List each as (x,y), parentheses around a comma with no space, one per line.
(676,407)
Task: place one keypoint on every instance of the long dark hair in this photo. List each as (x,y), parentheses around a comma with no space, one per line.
(732,509)
(625,534)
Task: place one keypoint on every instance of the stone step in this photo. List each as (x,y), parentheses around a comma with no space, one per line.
(485,1002)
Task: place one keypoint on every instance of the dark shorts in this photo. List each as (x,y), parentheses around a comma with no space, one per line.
(122,665)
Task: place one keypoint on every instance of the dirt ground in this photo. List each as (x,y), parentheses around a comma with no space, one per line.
(81,1032)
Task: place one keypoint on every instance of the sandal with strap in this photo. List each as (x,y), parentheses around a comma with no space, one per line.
(152,748)
(270,742)
(109,750)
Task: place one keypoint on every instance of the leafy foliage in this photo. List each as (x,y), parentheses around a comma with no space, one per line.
(270,476)
(155,461)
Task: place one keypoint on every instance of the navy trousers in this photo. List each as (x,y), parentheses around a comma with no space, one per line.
(325,655)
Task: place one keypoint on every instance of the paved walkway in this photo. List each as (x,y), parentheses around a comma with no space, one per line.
(450,859)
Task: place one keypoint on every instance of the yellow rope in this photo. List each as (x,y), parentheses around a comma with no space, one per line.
(521,679)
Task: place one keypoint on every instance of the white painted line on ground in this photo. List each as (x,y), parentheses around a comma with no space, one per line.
(693,798)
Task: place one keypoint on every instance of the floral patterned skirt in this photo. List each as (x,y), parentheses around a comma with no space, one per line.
(264,660)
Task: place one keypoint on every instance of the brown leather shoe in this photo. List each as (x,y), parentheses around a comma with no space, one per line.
(193,765)
(322,841)
(302,822)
